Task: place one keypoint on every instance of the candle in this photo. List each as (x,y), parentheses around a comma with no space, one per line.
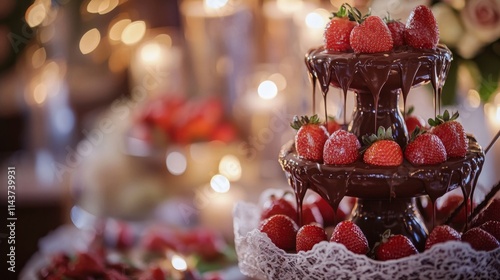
(219,40)
(157,63)
(280,30)
(215,203)
(312,22)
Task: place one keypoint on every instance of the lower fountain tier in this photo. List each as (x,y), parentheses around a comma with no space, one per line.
(362,180)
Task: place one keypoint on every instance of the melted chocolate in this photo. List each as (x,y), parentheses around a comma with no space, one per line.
(383,186)
(368,181)
(378,80)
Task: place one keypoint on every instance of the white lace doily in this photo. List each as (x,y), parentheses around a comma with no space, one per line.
(259,257)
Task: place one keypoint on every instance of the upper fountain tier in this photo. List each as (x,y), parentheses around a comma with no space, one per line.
(378,79)
(401,68)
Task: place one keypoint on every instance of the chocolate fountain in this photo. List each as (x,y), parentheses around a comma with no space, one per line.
(386,195)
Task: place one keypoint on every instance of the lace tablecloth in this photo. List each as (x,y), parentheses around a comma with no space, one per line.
(258,257)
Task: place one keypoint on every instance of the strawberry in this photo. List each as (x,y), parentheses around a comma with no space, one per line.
(326,211)
(424,149)
(441,234)
(397,29)
(332,125)
(338,30)
(342,147)
(371,36)
(451,133)
(87,264)
(310,137)
(281,230)
(152,273)
(448,204)
(490,212)
(480,240)
(382,149)
(394,247)
(412,121)
(311,214)
(308,236)
(350,235)
(329,217)
(277,206)
(421,29)
(492,227)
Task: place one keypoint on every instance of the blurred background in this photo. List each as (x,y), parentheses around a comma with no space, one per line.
(126,112)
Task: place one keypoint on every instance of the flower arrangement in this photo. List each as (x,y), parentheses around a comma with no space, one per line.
(471,29)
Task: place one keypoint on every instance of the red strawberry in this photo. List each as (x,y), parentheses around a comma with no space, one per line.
(329,217)
(342,147)
(332,125)
(382,149)
(491,212)
(326,211)
(412,121)
(447,205)
(311,214)
(350,235)
(338,30)
(451,133)
(310,137)
(492,227)
(480,240)
(277,206)
(394,247)
(308,236)
(371,36)
(281,230)
(397,30)
(441,234)
(421,29)
(424,149)
(87,264)
(153,273)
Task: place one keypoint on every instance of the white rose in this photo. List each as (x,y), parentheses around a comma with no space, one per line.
(482,18)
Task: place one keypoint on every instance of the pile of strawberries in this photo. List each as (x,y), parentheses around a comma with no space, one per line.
(176,119)
(349,30)
(445,139)
(279,223)
(92,265)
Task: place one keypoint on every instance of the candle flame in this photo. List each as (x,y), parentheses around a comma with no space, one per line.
(179,263)
(267,90)
(220,183)
(214,4)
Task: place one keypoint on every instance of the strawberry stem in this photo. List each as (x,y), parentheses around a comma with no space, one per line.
(389,19)
(440,119)
(416,132)
(352,13)
(297,122)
